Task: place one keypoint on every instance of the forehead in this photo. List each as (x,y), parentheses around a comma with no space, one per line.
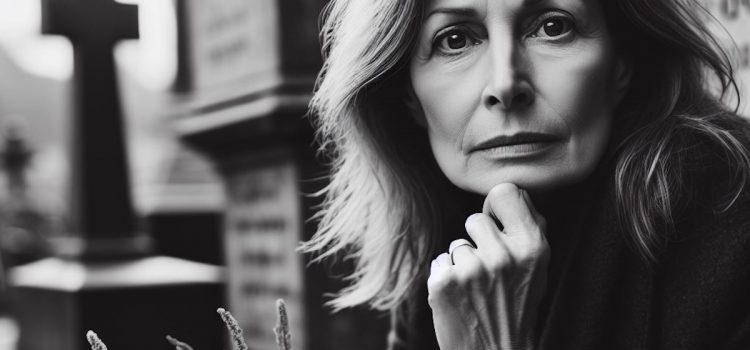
(482,6)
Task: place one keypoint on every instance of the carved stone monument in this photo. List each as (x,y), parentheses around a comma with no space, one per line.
(103,277)
(247,73)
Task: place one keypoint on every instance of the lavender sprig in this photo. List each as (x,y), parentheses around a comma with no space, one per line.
(233,328)
(178,344)
(94,341)
(283,337)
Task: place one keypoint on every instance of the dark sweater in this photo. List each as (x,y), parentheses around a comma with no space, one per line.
(602,295)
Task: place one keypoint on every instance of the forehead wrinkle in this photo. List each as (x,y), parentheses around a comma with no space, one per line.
(466,8)
(460,11)
(469,8)
(531,3)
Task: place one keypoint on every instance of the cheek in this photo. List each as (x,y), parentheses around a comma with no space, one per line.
(449,99)
(579,88)
(581,91)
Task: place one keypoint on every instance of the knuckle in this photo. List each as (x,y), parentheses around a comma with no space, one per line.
(440,283)
(533,252)
(457,242)
(503,190)
(443,258)
(500,262)
(433,300)
(526,258)
(472,221)
(533,235)
(480,223)
(434,285)
(473,268)
(437,298)
(535,227)
(471,272)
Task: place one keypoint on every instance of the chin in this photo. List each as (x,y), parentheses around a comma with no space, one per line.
(536,181)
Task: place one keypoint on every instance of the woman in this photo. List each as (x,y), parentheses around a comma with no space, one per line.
(535,173)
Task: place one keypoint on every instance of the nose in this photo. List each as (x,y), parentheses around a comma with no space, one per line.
(508,86)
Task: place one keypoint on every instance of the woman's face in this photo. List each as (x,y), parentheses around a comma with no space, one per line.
(519,91)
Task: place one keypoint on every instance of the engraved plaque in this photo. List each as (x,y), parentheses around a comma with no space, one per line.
(263,227)
(231,41)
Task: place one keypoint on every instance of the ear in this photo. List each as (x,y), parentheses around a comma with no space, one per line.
(623,73)
(415,108)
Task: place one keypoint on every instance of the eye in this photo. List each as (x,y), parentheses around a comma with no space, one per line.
(454,41)
(552,26)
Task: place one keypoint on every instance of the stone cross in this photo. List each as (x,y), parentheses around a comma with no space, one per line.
(101,206)
(103,276)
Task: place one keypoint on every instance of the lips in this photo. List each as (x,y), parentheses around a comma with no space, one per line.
(515,139)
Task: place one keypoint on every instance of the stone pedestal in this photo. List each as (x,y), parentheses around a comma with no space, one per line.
(267,161)
(131,304)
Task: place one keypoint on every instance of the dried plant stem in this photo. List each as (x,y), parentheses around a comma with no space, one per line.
(234,329)
(178,344)
(96,343)
(283,336)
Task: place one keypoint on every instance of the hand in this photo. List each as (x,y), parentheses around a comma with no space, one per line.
(488,297)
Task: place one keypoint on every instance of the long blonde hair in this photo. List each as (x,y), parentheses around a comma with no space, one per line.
(382,205)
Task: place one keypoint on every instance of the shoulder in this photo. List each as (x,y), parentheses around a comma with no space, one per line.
(706,266)
(714,163)
(713,193)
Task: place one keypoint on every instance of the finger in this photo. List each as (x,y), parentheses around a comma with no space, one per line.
(467,266)
(507,203)
(540,220)
(493,251)
(443,260)
(460,250)
(483,231)
(439,279)
(458,243)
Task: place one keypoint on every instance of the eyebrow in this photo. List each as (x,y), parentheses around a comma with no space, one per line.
(460,11)
(468,11)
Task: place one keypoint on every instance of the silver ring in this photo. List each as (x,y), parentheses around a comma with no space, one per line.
(453,249)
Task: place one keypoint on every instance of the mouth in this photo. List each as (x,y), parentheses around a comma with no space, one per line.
(519,139)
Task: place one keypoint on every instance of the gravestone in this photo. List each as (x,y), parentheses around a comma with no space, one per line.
(103,276)
(101,207)
(247,70)
(184,215)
